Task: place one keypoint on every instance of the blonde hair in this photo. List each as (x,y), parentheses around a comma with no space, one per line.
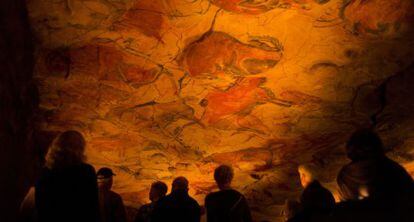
(309,170)
(67,149)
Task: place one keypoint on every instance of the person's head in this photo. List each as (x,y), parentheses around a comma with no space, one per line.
(357,180)
(307,174)
(105,178)
(364,144)
(179,184)
(291,209)
(67,149)
(223,175)
(158,190)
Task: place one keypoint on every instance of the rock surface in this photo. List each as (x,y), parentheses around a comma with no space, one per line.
(162,88)
(18,104)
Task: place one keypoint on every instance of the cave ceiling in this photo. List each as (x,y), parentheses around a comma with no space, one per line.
(162,88)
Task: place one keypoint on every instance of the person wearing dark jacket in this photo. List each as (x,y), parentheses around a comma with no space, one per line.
(226,205)
(372,186)
(357,202)
(292,211)
(178,205)
(110,203)
(157,191)
(315,199)
(387,177)
(67,188)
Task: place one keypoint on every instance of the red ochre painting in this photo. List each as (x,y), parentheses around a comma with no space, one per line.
(102,62)
(262,6)
(171,88)
(378,17)
(238,99)
(218,53)
(146,17)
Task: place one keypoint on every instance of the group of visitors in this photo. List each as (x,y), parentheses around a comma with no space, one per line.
(372,187)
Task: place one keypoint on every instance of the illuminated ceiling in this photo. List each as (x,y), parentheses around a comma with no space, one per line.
(162,88)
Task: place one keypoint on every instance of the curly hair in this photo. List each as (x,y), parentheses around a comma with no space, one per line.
(67,149)
(310,170)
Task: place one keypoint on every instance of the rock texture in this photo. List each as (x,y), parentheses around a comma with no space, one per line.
(18,102)
(162,88)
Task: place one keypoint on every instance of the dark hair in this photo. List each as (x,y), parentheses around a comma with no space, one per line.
(223,174)
(180,183)
(160,187)
(364,144)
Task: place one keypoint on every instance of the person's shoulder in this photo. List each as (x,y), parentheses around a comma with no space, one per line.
(314,189)
(212,195)
(163,201)
(165,198)
(325,191)
(231,193)
(235,192)
(145,207)
(87,167)
(86,170)
(81,168)
(210,198)
(393,165)
(115,195)
(228,192)
(317,186)
(193,202)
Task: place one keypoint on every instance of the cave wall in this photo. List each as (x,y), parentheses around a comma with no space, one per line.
(18,102)
(162,88)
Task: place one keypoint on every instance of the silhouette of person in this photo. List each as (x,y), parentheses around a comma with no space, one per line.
(226,205)
(157,191)
(316,200)
(355,185)
(110,203)
(67,188)
(178,205)
(372,186)
(292,211)
(388,177)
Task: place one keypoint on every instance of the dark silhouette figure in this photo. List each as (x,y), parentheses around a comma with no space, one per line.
(226,205)
(110,203)
(387,177)
(373,187)
(178,205)
(157,191)
(67,189)
(316,200)
(354,181)
(364,144)
(292,211)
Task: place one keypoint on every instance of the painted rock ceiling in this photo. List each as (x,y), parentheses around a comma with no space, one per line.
(162,88)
